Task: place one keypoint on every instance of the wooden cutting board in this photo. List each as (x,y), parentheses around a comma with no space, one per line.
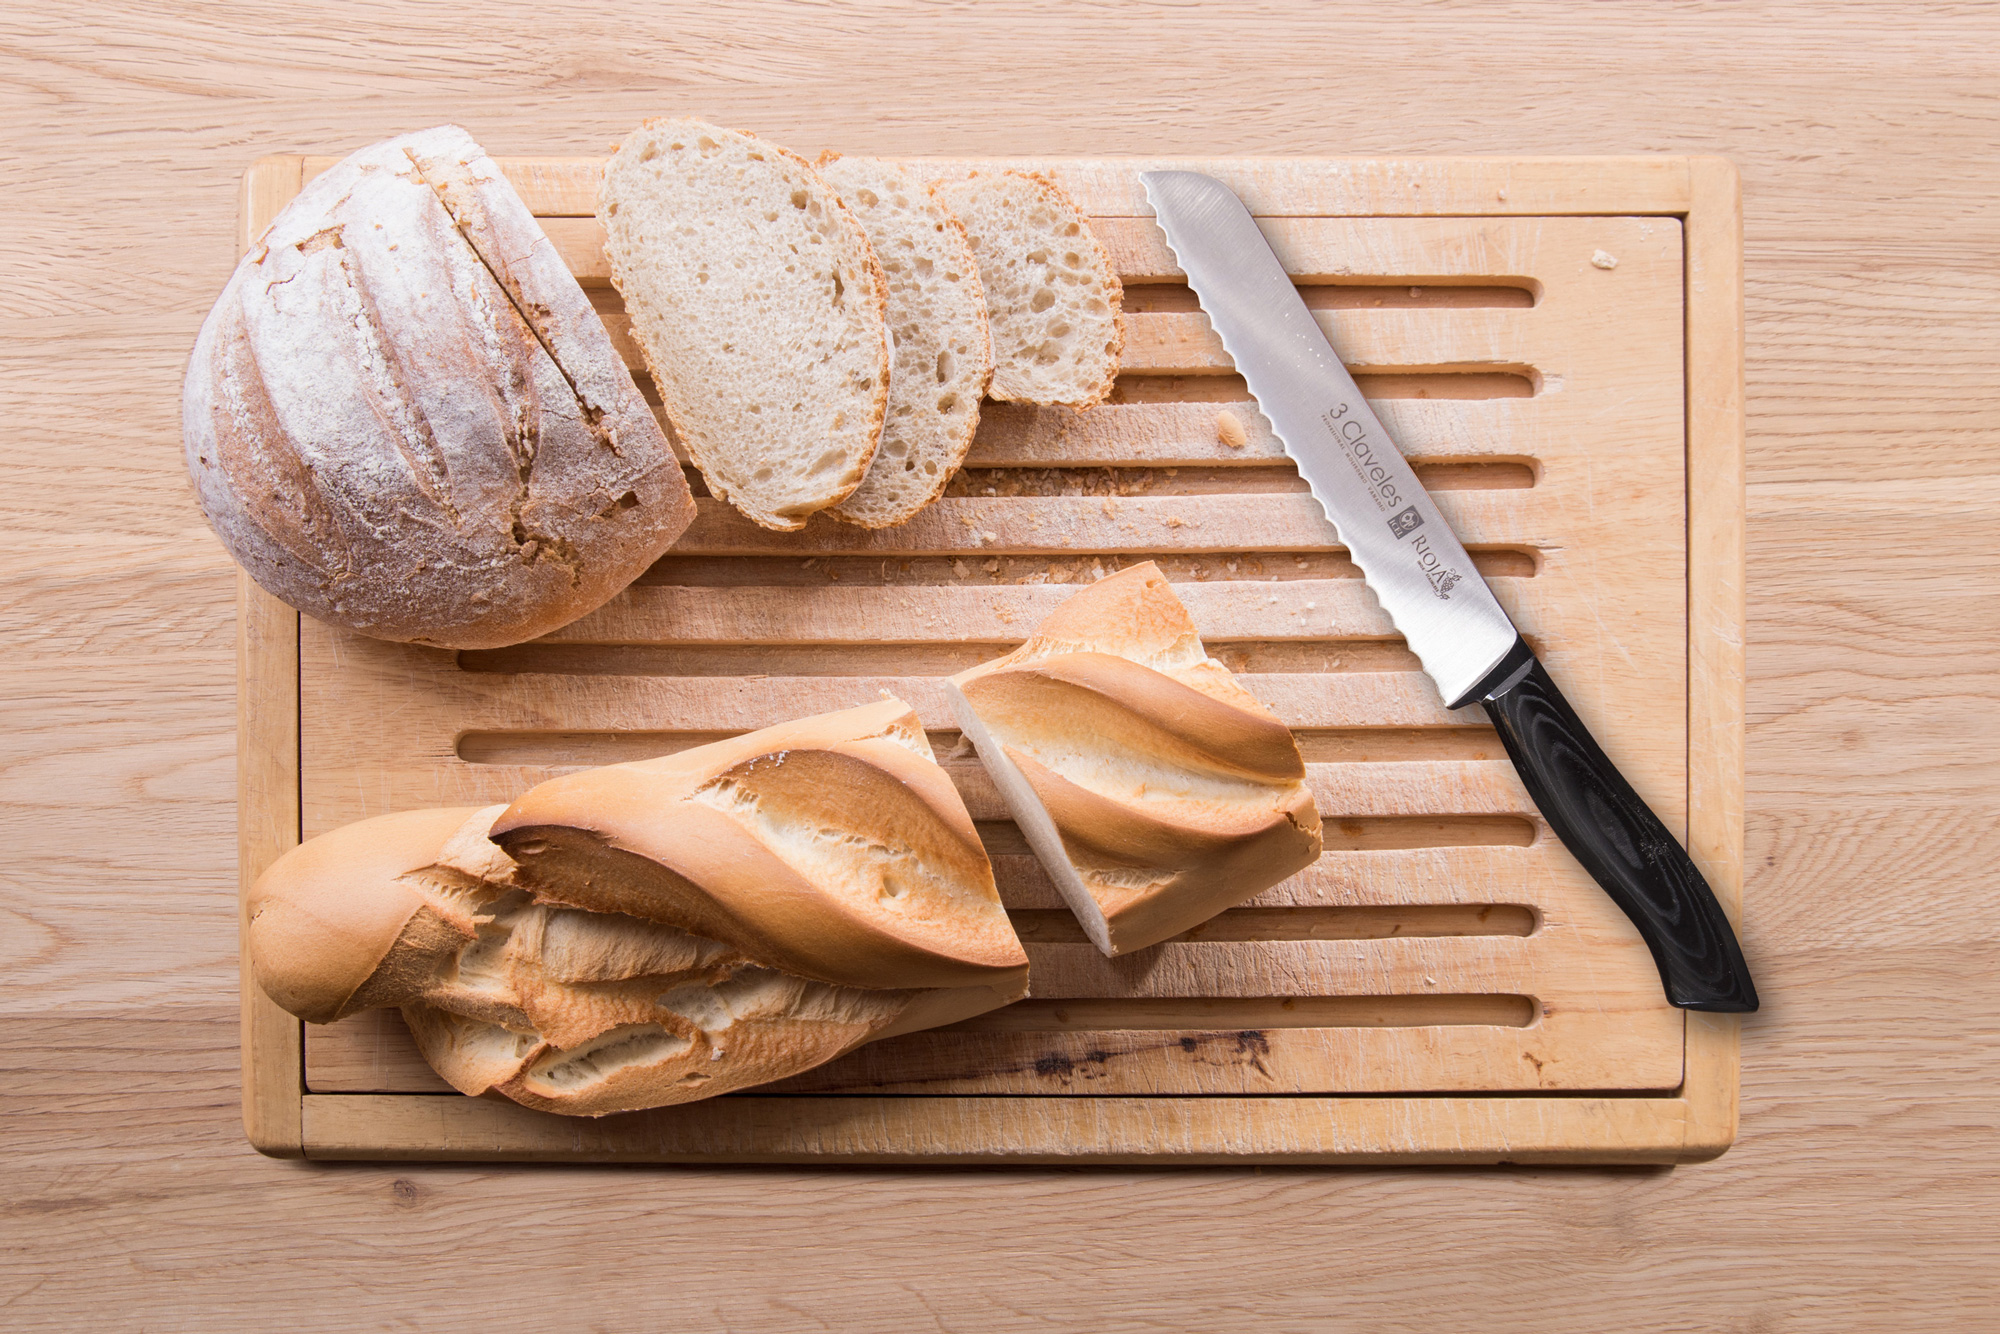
(1556,343)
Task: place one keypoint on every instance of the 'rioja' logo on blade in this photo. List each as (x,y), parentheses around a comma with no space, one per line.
(1443,578)
(1404,522)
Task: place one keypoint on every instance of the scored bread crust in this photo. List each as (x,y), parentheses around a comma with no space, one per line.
(1155,789)
(694,299)
(943,349)
(402,415)
(562,1008)
(833,847)
(1032,241)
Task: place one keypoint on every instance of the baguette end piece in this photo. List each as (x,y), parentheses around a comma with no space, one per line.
(1155,790)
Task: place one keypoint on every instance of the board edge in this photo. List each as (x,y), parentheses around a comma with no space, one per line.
(1716,612)
(267,769)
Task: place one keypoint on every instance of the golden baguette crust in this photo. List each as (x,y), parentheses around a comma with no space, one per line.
(1156,790)
(833,848)
(333,913)
(593,1012)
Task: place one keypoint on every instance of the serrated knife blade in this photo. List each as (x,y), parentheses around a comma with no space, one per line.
(1424,580)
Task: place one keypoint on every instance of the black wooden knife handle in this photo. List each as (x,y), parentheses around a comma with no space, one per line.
(1617,838)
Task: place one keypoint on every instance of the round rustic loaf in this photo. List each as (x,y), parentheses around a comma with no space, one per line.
(404,417)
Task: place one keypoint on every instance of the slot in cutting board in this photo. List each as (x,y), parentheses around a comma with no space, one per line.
(1554,344)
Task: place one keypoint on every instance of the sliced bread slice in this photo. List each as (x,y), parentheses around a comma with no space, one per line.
(1052,296)
(937,325)
(760,309)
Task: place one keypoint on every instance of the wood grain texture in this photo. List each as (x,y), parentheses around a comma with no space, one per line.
(1856,1196)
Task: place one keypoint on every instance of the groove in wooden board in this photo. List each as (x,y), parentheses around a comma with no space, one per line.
(1224,609)
(1439,382)
(875,659)
(1346,833)
(975,527)
(1170,433)
(1347,922)
(1141,386)
(1375,343)
(1124,1046)
(1463,964)
(1030,480)
(1371,342)
(1388,880)
(1438,428)
(1238,1012)
(554,749)
(1274,564)
(1407,292)
(1404,292)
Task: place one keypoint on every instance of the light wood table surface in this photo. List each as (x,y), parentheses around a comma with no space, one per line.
(1865,1189)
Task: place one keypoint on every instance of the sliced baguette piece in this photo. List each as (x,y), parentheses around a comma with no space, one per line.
(1154,789)
(759,308)
(943,354)
(1052,297)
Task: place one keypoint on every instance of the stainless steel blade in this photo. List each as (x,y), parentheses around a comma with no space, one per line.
(1383,515)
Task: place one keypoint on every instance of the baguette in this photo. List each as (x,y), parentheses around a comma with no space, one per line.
(403,416)
(511,990)
(1154,789)
(937,325)
(1052,296)
(760,310)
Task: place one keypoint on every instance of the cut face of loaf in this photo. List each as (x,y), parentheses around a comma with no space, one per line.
(403,416)
(1052,297)
(943,359)
(1155,790)
(759,308)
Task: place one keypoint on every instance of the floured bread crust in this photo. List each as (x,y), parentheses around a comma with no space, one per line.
(403,416)
(1154,788)
(584,983)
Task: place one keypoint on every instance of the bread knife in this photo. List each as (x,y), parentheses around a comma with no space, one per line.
(1413,561)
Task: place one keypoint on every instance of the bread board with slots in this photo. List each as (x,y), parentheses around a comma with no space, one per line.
(1555,342)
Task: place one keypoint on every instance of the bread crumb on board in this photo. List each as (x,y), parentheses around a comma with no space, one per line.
(1229,430)
(1602,259)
